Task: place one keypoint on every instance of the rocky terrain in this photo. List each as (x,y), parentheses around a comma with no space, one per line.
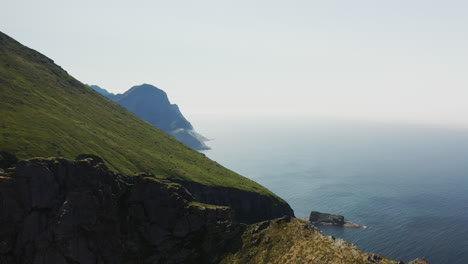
(292,240)
(246,205)
(62,211)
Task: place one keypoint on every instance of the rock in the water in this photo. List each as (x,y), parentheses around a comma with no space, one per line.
(326,219)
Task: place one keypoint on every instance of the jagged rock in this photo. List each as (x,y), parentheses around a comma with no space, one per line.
(326,219)
(373,258)
(249,207)
(61,211)
(259,227)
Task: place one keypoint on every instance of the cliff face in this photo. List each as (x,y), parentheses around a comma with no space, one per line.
(61,211)
(246,205)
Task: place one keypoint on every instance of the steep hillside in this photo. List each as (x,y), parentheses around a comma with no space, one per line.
(46,112)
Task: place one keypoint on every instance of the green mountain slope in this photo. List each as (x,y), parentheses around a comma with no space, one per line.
(46,112)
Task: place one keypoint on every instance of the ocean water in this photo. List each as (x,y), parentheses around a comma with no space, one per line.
(407,184)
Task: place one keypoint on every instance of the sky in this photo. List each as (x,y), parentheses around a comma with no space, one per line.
(381,60)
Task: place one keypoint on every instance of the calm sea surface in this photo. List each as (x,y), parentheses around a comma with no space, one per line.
(408,184)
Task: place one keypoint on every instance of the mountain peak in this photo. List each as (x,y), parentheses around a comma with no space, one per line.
(147,92)
(146,87)
(152,104)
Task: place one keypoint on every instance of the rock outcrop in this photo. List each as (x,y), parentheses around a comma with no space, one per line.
(61,211)
(249,207)
(326,219)
(317,218)
(291,240)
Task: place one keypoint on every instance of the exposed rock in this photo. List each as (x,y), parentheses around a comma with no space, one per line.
(61,211)
(286,241)
(373,258)
(317,218)
(326,219)
(249,207)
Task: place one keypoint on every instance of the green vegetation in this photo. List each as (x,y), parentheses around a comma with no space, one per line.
(209,206)
(46,112)
(291,240)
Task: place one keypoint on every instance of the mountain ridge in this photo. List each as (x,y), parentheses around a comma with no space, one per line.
(152,104)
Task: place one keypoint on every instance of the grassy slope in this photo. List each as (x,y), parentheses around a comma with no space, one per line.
(294,241)
(46,112)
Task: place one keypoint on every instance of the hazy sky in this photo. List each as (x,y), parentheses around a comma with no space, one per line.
(391,60)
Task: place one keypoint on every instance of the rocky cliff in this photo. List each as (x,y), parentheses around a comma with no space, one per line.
(54,210)
(245,204)
(61,211)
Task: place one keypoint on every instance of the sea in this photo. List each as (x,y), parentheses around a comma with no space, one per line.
(408,184)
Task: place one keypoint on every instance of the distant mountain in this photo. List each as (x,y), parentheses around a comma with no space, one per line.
(152,105)
(102,91)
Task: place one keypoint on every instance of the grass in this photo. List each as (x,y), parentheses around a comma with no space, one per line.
(46,112)
(209,206)
(293,241)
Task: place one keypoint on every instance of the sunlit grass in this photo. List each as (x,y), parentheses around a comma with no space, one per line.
(46,112)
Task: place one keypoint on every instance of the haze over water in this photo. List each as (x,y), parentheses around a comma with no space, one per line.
(408,184)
